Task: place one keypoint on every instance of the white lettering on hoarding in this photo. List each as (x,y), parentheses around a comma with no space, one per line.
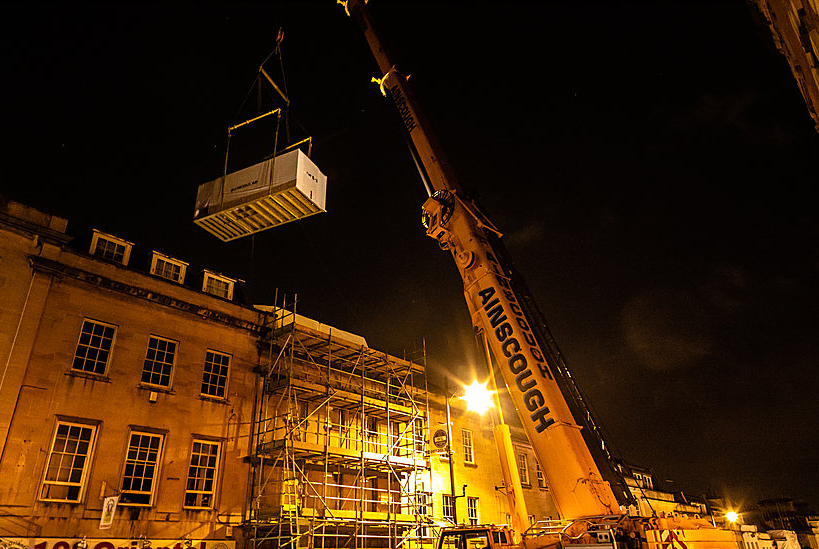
(112,543)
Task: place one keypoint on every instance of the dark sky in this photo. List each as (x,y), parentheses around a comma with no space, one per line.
(650,164)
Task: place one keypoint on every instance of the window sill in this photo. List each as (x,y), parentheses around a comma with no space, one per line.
(88,375)
(59,501)
(471,464)
(155,388)
(215,400)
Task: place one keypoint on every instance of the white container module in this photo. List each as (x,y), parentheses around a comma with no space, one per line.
(268,194)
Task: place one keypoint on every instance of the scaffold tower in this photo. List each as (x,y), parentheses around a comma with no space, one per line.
(340,446)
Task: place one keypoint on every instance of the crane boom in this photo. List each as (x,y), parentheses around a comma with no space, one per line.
(578,489)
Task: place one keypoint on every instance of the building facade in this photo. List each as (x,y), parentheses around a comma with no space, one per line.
(480,495)
(794,26)
(119,384)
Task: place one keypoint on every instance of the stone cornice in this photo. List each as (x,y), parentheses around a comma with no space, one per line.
(49,266)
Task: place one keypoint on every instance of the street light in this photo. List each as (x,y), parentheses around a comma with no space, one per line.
(478,399)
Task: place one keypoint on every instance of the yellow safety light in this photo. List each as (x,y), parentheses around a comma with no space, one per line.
(732,516)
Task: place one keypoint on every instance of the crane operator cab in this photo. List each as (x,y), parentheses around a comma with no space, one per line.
(475,537)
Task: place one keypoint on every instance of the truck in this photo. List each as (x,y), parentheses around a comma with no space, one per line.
(588,493)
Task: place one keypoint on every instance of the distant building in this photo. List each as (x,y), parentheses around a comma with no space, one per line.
(651,500)
(794,25)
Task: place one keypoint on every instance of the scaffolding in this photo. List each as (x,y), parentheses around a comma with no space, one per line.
(340,446)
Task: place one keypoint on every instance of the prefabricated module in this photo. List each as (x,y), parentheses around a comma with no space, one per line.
(275,191)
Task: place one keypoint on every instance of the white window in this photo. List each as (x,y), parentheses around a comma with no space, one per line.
(168,267)
(94,347)
(141,469)
(215,376)
(423,503)
(110,247)
(372,427)
(68,463)
(420,435)
(466,436)
(424,511)
(343,429)
(218,285)
(523,469)
(202,474)
(159,359)
(541,483)
(472,510)
(448,507)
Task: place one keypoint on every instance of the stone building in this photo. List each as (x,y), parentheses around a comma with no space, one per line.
(479,492)
(794,26)
(117,382)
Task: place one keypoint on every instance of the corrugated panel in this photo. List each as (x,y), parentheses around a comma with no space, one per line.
(261,214)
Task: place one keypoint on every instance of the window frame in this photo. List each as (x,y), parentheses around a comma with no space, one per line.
(424,504)
(212,275)
(523,472)
(86,467)
(541,480)
(469,449)
(110,350)
(448,502)
(154,361)
(156,257)
(117,241)
(419,434)
(224,394)
(472,505)
(216,472)
(157,464)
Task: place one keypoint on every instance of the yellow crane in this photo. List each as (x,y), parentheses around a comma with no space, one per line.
(530,367)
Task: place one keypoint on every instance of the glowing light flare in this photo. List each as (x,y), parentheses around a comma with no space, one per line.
(732,516)
(478,398)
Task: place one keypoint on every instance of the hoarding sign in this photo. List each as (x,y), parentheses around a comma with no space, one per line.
(112,543)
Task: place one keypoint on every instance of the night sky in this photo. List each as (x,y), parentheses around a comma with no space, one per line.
(650,164)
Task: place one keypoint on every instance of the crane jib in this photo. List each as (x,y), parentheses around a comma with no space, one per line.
(403,108)
(517,363)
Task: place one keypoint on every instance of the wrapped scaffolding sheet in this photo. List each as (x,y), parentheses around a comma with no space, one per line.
(784,539)
(265,195)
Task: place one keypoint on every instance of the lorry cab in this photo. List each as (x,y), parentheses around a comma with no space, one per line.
(476,537)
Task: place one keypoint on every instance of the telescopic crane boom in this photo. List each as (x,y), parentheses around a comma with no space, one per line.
(578,489)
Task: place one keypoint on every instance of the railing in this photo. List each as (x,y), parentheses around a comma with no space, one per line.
(348,436)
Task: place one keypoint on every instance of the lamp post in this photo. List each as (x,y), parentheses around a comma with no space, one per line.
(479,400)
(450,454)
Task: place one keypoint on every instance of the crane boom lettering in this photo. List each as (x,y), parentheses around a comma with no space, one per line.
(517,362)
